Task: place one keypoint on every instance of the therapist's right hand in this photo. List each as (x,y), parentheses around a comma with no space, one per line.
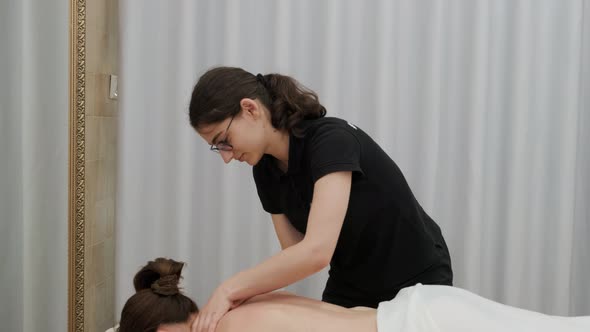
(210,315)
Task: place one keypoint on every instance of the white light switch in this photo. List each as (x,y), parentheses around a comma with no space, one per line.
(114,89)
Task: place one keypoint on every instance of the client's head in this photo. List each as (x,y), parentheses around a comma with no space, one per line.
(158,304)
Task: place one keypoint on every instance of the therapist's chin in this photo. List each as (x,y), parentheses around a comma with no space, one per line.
(250,159)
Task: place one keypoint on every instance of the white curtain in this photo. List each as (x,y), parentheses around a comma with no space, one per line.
(483,104)
(34,165)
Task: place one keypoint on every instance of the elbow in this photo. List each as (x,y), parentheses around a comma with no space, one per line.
(320,257)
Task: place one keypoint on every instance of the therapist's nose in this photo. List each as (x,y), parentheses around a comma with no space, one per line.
(226,156)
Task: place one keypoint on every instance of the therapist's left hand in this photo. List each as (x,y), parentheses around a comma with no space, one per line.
(217,306)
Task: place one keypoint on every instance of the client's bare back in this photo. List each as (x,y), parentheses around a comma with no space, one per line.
(282,311)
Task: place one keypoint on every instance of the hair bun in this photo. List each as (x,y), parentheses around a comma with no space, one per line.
(161,276)
(166,285)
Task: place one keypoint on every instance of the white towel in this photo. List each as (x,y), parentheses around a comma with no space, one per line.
(405,313)
(113,329)
(444,309)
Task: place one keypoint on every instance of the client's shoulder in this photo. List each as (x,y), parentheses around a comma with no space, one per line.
(271,296)
(234,320)
(257,314)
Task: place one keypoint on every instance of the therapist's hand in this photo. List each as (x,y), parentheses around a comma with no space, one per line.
(217,306)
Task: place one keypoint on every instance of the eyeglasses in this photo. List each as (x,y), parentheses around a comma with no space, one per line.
(223,145)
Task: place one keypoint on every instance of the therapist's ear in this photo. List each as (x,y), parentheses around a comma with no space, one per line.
(250,108)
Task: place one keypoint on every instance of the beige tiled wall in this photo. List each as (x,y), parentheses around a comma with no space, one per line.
(102,37)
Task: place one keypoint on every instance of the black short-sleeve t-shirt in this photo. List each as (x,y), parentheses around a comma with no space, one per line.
(386,237)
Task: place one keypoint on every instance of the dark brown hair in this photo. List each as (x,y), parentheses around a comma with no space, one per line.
(218,93)
(158,299)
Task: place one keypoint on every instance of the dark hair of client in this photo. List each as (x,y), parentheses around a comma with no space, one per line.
(157,299)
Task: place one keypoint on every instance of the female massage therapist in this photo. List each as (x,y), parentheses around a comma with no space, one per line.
(334,195)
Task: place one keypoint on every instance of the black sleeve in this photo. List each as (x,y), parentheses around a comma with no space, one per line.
(333,150)
(268,190)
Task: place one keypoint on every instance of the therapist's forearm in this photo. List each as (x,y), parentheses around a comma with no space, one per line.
(288,266)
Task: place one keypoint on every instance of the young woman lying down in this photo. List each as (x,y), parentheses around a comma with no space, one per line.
(159,306)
